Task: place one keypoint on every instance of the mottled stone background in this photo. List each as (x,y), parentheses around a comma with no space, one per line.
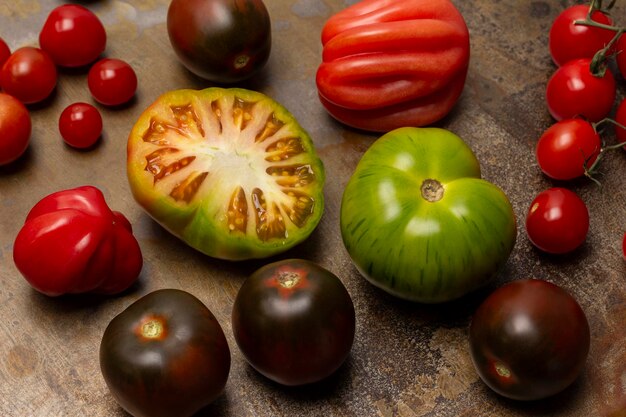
(408,359)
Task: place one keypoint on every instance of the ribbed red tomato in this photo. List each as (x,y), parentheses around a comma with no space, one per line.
(389,64)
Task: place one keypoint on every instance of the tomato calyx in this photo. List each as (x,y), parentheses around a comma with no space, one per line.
(591,170)
(152,328)
(599,64)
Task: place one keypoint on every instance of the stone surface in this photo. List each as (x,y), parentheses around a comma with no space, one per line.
(408,359)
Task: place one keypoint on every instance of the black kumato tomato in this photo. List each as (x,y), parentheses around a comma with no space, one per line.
(165,355)
(529,340)
(294,321)
(224,41)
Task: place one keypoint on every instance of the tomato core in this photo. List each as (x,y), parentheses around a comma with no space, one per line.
(432,190)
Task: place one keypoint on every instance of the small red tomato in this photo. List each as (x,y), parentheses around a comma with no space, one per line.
(5,52)
(557,221)
(73,36)
(574,91)
(29,75)
(80,125)
(15,127)
(569,41)
(620,117)
(112,82)
(566,147)
(620,56)
(529,340)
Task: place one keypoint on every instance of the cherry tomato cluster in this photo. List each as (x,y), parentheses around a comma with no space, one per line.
(71,37)
(580,95)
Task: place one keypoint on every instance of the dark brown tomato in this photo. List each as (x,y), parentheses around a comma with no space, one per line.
(224,41)
(529,340)
(294,322)
(165,355)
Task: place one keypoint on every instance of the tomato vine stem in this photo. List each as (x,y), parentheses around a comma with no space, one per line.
(590,171)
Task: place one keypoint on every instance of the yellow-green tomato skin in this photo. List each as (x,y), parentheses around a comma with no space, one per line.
(426,244)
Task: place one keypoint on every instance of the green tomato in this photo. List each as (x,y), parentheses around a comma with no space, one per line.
(419,222)
(229,171)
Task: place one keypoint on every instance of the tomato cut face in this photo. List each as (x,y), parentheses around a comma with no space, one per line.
(229,171)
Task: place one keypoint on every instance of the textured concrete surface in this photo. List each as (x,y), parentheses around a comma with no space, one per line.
(408,359)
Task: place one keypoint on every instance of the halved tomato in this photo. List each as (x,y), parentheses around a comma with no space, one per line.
(229,171)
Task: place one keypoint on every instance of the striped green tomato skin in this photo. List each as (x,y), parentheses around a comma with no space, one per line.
(421,250)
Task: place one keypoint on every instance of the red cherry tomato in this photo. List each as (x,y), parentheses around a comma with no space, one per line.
(112,82)
(620,117)
(620,56)
(557,221)
(5,52)
(29,75)
(569,41)
(80,125)
(566,147)
(15,127)
(73,36)
(574,91)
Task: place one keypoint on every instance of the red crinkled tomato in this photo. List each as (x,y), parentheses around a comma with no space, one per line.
(72,242)
(389,63)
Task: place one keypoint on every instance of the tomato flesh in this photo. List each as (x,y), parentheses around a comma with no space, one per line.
(230,171)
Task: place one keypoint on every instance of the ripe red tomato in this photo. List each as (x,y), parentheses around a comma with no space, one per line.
(5,52)
(72,242)
(112,81)
(73,36)
(15,127)
(569,41)
(620,117)
(566,147)
(529,340)
(620,56)
(294,322)
(80,125)
(557,221)
(390,64)
(574,91)
(29,75)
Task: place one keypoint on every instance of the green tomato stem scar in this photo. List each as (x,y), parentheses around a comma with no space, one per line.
(152,328)
(241,61)
(502,370)
(288,279)
(432,190)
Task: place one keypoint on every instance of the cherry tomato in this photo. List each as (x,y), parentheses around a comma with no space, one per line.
(557,221)
(569,41)
(112,81)
(620,56)
(620,117)
(15,127)
(29,75)
(73,36)
(529,339)
(566,147)
(80,125)
(5,52)
(574,91)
